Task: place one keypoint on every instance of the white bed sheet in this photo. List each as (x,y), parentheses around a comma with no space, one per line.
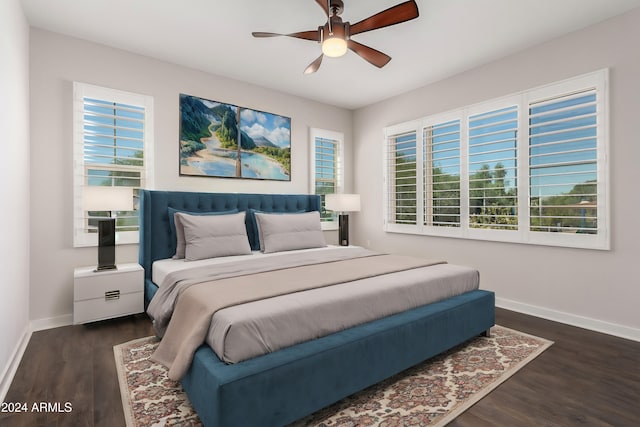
(161,268)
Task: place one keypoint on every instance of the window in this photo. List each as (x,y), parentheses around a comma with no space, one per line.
(112,147)
(527,168)
(441,159)
(403,185)
(563,164)
(492,147)
(327,170)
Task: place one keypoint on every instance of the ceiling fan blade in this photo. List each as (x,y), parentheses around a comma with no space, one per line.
(306,35)
(313,67)
(369,54)
(394,15)
(324,5)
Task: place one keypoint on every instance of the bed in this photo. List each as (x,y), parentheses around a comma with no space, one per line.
(285,385)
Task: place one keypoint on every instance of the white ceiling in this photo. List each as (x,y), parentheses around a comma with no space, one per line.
(449,37)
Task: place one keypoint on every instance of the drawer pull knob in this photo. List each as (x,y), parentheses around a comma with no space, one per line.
(111,295)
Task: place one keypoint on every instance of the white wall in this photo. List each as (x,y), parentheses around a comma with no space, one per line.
(57,61)
(14,188)
(595,289)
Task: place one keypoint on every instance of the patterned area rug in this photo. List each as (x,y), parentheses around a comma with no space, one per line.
(430,394)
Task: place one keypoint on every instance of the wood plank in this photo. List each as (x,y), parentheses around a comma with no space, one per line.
(585,378)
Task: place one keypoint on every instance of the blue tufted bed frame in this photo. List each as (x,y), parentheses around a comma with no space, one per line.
(286,385)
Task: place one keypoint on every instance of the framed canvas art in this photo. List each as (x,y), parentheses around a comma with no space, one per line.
(228,141)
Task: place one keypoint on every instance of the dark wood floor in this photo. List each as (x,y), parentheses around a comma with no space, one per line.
(585,378)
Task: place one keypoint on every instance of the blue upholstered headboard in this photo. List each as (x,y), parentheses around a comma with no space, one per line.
(155,238)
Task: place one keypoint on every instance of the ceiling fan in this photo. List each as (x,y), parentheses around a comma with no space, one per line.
(335,35)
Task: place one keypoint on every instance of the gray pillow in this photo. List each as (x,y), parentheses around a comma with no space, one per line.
(214,235)
(177,231)
(287,232)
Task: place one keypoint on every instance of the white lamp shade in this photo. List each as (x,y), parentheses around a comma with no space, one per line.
(98,198)
(342,202)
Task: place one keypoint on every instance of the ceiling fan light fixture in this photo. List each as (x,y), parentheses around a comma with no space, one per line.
(335,36)
(334,47)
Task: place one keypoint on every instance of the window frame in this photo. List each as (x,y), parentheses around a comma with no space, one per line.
(82,238)
(315,133)
(598,80)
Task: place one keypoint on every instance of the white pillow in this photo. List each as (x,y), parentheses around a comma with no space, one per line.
(209,236)
(287,232)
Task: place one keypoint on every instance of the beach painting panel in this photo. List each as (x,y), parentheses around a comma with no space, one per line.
(209,136)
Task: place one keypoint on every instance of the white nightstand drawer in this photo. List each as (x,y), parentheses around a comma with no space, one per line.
(99,295)
(89,284)
(101,308)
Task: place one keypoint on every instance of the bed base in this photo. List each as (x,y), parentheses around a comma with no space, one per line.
(281,387)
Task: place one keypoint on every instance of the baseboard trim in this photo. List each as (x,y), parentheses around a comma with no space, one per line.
(14,361)
(51,322)
(571,319)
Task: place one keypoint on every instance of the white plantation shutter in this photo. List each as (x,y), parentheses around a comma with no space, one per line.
(492,147)
(563,164)
(327,170)
(527,168)
(326,151)
(112,137)
(402,168)
(441,163)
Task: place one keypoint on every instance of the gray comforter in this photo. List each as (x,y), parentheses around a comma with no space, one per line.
(252,329)
(247,330)
(161,306)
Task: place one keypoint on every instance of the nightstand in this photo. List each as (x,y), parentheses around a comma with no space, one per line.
(99,295)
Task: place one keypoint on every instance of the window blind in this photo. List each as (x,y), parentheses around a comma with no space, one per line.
(402,173)
(112,135)
(530,167)
(113,153)
(563,164)
(493,139)
(441,162)
(326,172)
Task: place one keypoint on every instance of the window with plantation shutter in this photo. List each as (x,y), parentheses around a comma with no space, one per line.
(563,164)
(112,146)
(402,164)
(327,170)
(492,148)
(441,162)
(527,168)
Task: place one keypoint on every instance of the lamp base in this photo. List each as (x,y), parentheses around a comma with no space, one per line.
(106,244)
(343,232)
(105,268)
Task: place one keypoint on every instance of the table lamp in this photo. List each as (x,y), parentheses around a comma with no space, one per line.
(102,198)
(343,203)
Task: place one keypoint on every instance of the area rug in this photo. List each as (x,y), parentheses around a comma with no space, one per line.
(430,394)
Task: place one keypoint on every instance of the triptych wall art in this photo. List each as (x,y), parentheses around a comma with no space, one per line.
(224,140)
